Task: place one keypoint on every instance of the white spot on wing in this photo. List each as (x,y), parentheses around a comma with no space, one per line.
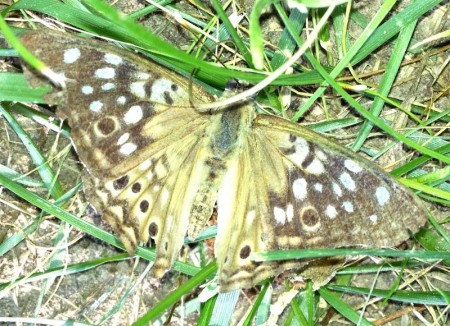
(149,176)
(127,148)
(301,151)
(113,59)
(382,195)
(95,106)
(165,196)
(318,187)
(105,73)
(347,181)
(86,90)
(280,215)
(321,155)
(250,217)
(142,76)
(108,86)
(337,189)
(331,211)
(145,165)
(352,166)
(137,89)
(123,139)
(133,115)
(162,85)
(289,212)
(348,206)
(71,55)
(299,189)
(316,167)
(121,100)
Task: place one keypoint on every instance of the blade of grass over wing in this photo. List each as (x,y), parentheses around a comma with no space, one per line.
(115,26)
(318,253)
(28,57)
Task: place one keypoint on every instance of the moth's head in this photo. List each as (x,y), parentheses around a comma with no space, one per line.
(234,87)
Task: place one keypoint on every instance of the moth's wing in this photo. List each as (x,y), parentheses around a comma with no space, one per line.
(296,189)
(136,132)
(116,103)
(153,200)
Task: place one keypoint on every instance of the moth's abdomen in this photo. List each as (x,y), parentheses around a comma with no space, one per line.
(221,147)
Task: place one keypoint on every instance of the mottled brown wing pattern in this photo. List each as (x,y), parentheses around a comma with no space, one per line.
(295,189)
(117,101)
(135,130)
(158,167)
(148,201)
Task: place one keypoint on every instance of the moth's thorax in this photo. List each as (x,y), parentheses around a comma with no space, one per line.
(228,129)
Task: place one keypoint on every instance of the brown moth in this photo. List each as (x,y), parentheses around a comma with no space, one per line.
(159,166)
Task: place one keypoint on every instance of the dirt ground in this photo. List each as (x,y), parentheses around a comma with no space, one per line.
(87,296)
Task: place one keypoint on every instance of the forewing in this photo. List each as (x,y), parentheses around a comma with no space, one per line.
(295,189)
(135,130)
(116,103)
